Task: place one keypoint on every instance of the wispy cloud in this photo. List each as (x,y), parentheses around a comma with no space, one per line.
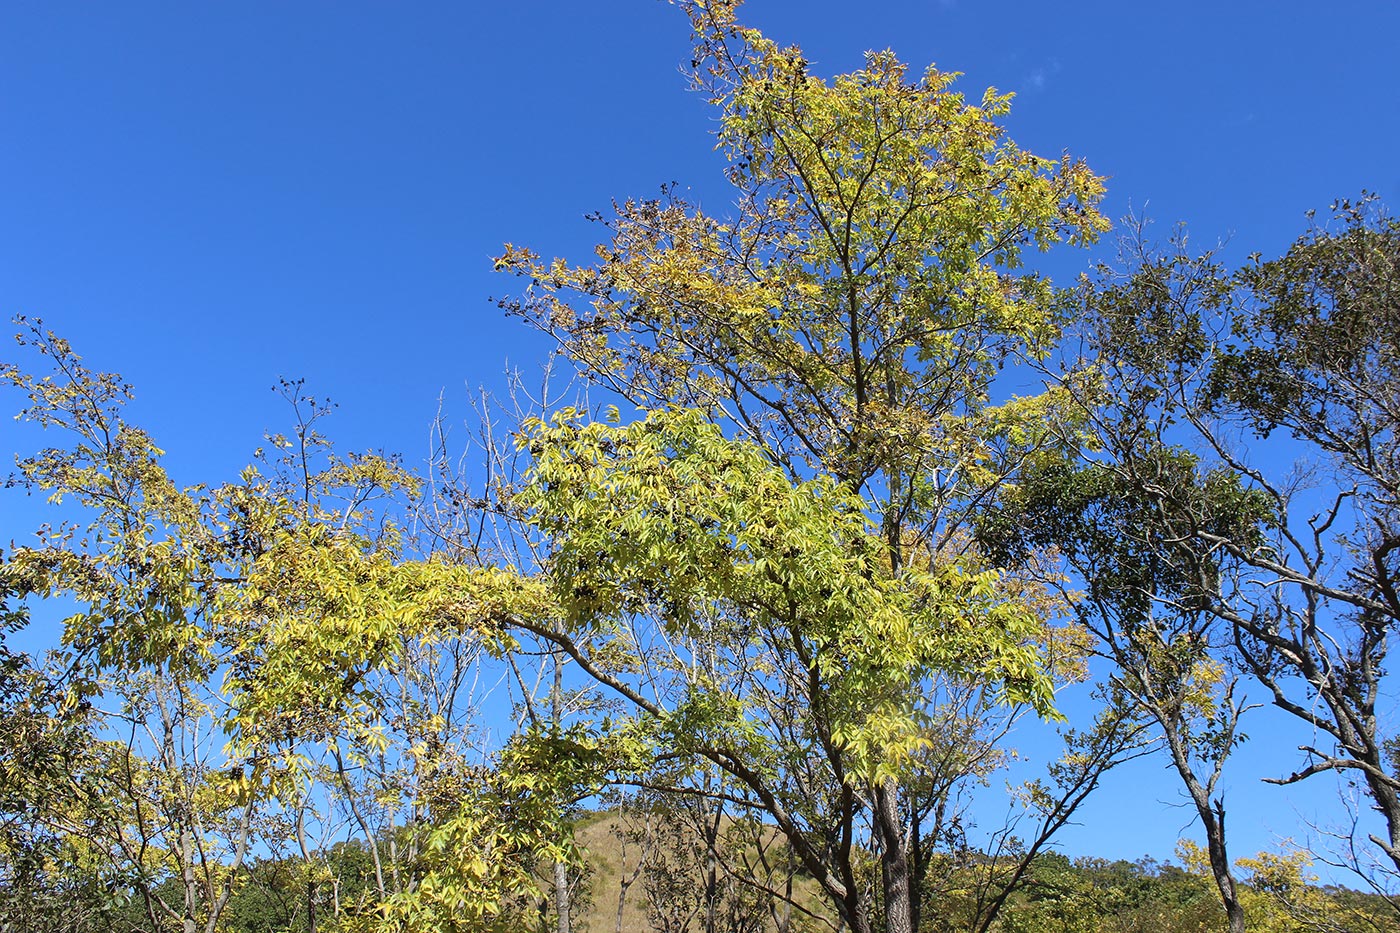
(1041,75)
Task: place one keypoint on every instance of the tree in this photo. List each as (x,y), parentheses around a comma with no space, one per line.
(1303,346)
(142,798)
(265,662)
(850,321)
(1142,602)
(793,657)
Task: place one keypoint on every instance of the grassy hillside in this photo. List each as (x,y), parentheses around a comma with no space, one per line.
(668,893)
(645,874)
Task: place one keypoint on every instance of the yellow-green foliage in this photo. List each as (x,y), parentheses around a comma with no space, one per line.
(854,309)
(668,519)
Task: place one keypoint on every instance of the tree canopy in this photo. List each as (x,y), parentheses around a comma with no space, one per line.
(789,595)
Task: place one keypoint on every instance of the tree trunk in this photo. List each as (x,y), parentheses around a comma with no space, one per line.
(1212,816)
(785,922)
(1220,867)
(561,871)
(623,885)
(187,924)
(711,833)
(894,859)
(917,866)
(626,881)
(561,895)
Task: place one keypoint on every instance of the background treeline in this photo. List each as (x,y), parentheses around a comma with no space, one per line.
(647,867)
(846,494)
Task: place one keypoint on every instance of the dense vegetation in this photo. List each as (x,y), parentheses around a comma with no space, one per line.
(781,604)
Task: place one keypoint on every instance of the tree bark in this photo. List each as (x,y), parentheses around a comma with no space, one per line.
(1212,816)
(561,871)
(894,859)
(1220,867)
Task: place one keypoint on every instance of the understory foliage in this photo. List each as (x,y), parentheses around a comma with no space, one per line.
(787,601)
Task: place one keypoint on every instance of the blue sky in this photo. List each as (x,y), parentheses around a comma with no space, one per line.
(210,197)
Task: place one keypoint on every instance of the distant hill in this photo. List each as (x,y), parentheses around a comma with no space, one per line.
(1062,895)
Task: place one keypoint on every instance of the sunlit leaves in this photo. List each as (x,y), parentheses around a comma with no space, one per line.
(229,642)
(868,282)
(666,518)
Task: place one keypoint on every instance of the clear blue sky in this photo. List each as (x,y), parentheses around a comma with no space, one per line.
(208,197)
